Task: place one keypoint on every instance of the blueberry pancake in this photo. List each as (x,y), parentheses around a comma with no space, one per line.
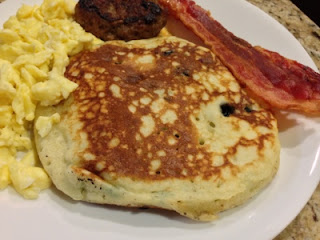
(158,123)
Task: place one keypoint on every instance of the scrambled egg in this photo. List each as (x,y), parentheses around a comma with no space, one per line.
(35,46)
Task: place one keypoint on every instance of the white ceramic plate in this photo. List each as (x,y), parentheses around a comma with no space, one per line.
(54,216)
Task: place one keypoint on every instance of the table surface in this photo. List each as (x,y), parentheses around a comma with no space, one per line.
(306,226)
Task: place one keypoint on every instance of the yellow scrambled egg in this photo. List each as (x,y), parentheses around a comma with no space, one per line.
(35,46)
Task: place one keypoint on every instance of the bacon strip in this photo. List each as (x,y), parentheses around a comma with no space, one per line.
(280,82)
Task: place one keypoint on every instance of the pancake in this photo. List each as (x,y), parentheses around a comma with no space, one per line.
(158,123)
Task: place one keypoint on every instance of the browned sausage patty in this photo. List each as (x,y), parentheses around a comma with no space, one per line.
(121,19)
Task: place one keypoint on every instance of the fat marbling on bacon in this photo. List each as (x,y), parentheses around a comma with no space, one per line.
(280,82)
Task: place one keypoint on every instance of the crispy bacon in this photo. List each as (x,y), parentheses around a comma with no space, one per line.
(280,82)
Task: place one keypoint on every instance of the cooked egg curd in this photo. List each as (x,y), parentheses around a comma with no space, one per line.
(35,46)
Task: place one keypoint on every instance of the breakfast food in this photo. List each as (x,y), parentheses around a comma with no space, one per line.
(35,46)
(159,123)
(121,19)
(280,82)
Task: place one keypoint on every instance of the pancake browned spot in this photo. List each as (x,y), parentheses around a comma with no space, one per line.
(159,123)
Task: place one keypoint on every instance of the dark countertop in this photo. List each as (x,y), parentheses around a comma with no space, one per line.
(306,226)
(310,8)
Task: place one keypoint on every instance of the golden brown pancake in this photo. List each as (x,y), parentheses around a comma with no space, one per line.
(159,123)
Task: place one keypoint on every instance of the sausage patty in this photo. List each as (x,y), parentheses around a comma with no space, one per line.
(121,19)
